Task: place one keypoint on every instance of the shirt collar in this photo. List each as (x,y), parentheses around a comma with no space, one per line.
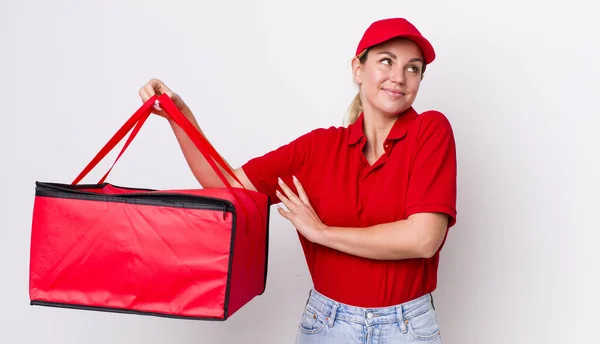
(398,131)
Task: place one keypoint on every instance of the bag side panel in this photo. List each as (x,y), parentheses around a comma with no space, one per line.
(250,256)
(144,258)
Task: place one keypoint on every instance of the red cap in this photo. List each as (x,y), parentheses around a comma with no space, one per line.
(386,29)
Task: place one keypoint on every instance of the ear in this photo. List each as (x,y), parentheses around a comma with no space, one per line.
(356,70)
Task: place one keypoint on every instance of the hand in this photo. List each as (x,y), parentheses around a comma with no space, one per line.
(300,212)
(157,87)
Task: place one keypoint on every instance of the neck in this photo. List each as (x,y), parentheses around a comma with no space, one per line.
(377,128)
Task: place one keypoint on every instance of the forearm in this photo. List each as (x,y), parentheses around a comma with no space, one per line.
(199,166)
(403,239)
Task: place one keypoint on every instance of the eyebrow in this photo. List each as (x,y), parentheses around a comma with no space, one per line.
(416,59)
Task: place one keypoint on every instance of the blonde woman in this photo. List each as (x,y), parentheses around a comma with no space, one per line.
(372,202)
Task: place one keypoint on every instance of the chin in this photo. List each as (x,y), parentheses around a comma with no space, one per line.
(393,109)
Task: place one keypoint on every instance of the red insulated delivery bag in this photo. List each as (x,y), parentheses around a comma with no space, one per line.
(197,253)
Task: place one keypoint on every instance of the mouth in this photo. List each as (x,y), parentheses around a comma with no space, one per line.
(394,93)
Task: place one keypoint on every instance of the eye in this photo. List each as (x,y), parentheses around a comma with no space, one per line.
(386,61)
(413,69)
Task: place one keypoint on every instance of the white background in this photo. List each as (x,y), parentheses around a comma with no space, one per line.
(517,79)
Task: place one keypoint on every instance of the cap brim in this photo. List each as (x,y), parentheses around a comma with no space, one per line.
(422,42)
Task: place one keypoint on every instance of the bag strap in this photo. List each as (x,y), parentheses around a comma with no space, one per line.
(135,131)
(136,121)
(207,150)
(199,140)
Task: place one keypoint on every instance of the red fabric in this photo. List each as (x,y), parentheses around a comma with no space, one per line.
(386,29)
(416,174)
(129,256)
(182,253)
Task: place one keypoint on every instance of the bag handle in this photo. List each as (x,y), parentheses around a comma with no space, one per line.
(138,119)
(136,122)
(207,150)
(135,131)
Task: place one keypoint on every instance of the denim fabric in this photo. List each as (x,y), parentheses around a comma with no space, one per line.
(327,321)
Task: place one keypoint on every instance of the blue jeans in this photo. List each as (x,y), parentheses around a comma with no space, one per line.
(327,321)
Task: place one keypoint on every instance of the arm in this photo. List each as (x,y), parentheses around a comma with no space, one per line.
(198,164)
(258,174)
(195,160)
(419,236)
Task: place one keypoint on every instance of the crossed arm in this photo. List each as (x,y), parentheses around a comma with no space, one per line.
(419,236)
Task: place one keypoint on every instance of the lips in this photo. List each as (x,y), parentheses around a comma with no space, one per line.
(393,93)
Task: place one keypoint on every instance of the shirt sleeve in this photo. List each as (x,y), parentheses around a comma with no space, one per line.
(432,183)
(283,162)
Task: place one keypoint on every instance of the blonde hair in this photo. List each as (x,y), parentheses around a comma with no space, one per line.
(356,108)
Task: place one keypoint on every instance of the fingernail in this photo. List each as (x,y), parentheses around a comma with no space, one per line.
(295,179)
(280,180)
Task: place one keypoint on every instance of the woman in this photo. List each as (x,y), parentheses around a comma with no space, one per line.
(372,202)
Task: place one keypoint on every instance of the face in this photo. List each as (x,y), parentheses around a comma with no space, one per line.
(390,78)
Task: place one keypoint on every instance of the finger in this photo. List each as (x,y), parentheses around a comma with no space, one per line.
(301,193)
(143,95)
(157,106)
(162,88)
(284,213)
(289,204)
(150,90)
(289,193)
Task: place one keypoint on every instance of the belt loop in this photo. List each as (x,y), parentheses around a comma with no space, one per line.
(431,297)
(400,316)
(331,317)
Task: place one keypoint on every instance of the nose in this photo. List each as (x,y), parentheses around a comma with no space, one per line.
(397,76)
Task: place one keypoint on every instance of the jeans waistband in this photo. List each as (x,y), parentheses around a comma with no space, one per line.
(332,310)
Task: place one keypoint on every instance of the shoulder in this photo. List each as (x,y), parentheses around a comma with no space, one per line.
(315,138)
(326,134)
(433,121)
(434,118)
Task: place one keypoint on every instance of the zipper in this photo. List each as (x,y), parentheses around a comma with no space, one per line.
(175,200)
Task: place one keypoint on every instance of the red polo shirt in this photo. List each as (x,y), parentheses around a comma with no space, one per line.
(417,173)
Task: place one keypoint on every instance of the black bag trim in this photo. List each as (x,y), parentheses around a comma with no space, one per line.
(162,199)
(118,310)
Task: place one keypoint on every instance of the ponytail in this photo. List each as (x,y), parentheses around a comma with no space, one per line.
(354,110)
